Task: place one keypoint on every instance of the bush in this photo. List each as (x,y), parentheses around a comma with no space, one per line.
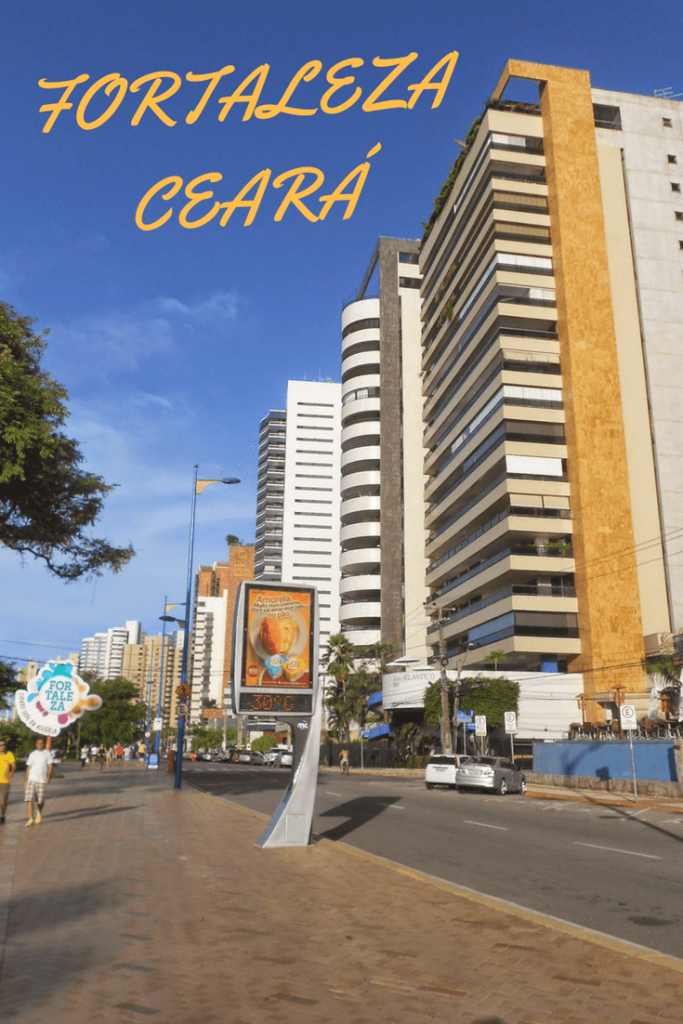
(263,744)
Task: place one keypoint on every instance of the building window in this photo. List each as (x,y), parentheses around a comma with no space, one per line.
(680,243)
(408,257)
(666,122)
(671,158)
(606,116)
(675,186)
(409,282)
(679,214)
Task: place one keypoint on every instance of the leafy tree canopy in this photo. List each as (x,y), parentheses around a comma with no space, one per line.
(121,717)
(356,674)
(263,743)
(206,739)
(47,503)
(8,681)
(483,695)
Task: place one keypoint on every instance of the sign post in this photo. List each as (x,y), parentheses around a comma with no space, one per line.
(275,672)
(511,728)
(480,729)
(627,715)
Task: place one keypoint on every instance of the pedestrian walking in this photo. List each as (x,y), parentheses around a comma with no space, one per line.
(8,767)
(119,754)
(84,756)
(38,775)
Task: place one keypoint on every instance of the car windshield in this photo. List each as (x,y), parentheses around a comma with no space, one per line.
(483,760)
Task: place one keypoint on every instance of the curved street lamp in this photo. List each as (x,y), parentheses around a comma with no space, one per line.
(197,487)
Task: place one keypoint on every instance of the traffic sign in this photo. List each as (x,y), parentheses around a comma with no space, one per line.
(627,713)
(465,716)
(156,725)
(182,710)
(480,723)
(183,691)
(510,722)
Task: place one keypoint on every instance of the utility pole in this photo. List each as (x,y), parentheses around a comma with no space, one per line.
(446,745)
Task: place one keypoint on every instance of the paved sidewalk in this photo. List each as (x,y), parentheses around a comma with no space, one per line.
(133,901)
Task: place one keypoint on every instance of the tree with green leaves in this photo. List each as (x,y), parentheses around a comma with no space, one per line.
(357,675)
(482,695)
(47,502)
(121,719)
(494,657)
(8,682)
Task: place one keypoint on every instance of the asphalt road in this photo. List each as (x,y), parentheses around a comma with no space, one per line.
(616,870)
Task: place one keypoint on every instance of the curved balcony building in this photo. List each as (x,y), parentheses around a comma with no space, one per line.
(382,522)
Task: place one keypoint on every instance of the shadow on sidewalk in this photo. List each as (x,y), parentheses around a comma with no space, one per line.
(88,812)
(66,904)
(359,812)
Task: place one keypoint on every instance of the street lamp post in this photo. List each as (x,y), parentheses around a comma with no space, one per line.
(197,488)
(147,722)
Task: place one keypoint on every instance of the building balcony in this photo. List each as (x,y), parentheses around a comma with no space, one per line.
(360,459)
(356,485)
(358,407)
(361,586)
(360,363)
(360,434)
(360,560)
(363,614)
(357,535)
(357,510)
(362,638)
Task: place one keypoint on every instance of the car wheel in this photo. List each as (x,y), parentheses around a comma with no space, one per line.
(522,787)
(502,787)
(430,785)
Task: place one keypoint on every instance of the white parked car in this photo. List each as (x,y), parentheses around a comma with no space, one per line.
(270,755)
(441,769)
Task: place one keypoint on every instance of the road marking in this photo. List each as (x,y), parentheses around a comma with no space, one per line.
(556,806)
(483,824)
(673,821)
(613,849)
(331,792)
(395,807)
(634,814)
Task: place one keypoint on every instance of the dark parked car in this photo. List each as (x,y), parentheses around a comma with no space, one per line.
(497,774)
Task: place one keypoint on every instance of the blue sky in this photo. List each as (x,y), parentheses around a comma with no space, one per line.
(173,343)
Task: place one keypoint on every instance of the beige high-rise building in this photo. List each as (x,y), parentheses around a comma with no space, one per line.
(211,652)
(552,304)
(142,667)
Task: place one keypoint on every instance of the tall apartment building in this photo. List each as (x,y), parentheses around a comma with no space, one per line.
(297,512)
(142,666)
(552,304)
(102,653)
(270,496)
(310,542)
(382,510)
(214,608)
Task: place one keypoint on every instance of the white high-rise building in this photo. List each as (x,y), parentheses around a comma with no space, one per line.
(102,653)
(310,539)
(383,534)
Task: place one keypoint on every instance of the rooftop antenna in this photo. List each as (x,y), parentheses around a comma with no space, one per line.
(667,93)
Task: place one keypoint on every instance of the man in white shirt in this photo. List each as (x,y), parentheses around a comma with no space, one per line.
(38,775)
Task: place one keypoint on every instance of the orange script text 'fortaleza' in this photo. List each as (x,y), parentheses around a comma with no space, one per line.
(90,115)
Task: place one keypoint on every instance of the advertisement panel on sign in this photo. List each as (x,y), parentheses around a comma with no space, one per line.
(275,631)
(55,698)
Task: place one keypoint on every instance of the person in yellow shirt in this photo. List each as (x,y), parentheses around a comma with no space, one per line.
(7,768)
